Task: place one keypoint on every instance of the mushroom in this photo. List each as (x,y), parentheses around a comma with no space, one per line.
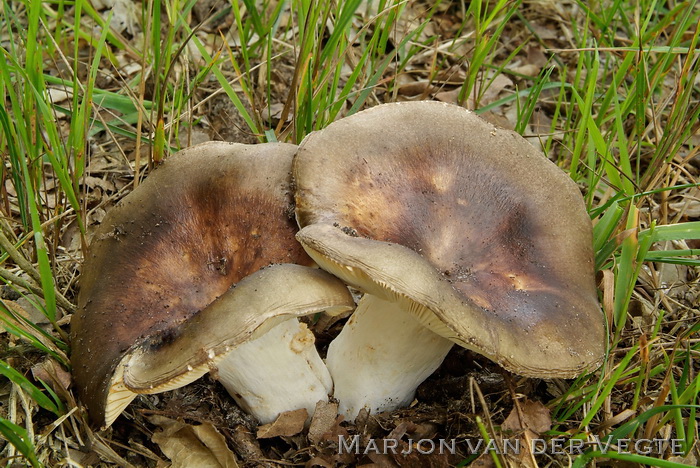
(457,232)
(178,282)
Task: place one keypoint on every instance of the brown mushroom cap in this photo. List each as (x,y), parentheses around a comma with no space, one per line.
(469,226)
(204,220)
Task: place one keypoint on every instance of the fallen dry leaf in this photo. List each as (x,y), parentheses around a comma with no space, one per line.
(541,123)
(30,308)
(535,56)
(499,120)
(454,75)
(533,419)
(416,88)
(53,374)
(318,462)
(535,416)
(190,446)
(380,460)
(408,457)
(273,112)
(124,16)
(528,69)
(193,137)
(494,90)
(450,97)
(689,460)
(485,460)
(100,182)
(287,424)
(489,95)
(545,31)
(78,458)
(323,421)
(689,208)
(57,95)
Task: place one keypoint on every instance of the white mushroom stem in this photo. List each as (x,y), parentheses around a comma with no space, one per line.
(381,356)
(276,372)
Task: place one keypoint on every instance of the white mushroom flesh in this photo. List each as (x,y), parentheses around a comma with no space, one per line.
(276,372)
(381,356)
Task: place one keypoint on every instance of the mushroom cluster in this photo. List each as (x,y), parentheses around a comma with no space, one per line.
(454,231)
(196,270)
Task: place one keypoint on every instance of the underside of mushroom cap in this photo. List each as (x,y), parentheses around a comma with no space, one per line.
(539,332)
(248,310)
(465,222)
(205,219)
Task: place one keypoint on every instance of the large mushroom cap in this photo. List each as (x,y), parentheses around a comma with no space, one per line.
(208,217)
(467,225)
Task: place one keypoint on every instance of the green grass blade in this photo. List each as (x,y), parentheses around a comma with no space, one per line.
(34,392)
(690,230)
(19,438)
